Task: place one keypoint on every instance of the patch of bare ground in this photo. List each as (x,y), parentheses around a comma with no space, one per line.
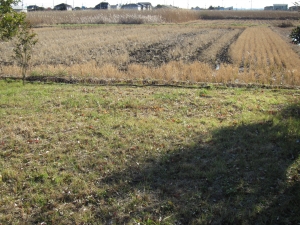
(223,55)
(219,48)
(160,53)
(188,47)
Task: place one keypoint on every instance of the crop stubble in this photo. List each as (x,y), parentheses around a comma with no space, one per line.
(166,53)
(264,54)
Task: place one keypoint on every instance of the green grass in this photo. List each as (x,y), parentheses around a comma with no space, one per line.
(75,154)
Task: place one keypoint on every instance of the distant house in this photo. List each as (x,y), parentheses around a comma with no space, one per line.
(32,8)
(132,7)
(268,8)
(63,7)
(282,7)
(103,5)
(145,5)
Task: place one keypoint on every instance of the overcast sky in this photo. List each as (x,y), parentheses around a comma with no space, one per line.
(241,4)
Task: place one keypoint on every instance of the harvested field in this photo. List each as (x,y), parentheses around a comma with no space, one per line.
(192,52)
(266,56)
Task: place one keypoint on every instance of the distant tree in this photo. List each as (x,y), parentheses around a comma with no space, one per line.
(211,8)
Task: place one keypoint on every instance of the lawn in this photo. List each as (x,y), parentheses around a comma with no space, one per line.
(123,154)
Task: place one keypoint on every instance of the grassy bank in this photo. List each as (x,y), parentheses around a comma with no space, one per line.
(72,154)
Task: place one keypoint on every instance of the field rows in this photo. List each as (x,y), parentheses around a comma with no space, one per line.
(261,51)
(185,52)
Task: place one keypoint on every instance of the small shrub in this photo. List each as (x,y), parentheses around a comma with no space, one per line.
(285,24)
(295,35)
(26,40)
(131,20)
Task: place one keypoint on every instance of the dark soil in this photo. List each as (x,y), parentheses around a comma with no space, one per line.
(223,56)
(156,54)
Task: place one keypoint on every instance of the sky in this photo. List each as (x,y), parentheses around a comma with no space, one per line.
(240,4)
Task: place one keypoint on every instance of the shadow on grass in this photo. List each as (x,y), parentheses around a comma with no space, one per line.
(247,174)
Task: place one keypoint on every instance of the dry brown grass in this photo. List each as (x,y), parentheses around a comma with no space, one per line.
(176,52)
(155,16)
(111,17)
(249,14)
(266,56)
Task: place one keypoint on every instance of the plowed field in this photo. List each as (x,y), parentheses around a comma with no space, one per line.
(165,53)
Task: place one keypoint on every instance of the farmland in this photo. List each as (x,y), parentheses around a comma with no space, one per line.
(165,138)
(218,51)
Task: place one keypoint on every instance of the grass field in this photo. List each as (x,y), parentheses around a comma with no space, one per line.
(76,154)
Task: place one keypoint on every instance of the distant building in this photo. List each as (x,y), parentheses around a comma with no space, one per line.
(103,5)
(145,5)
(268,8)
(63,7)
(32,8)
(132,7)
(279,7)
(282,7)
